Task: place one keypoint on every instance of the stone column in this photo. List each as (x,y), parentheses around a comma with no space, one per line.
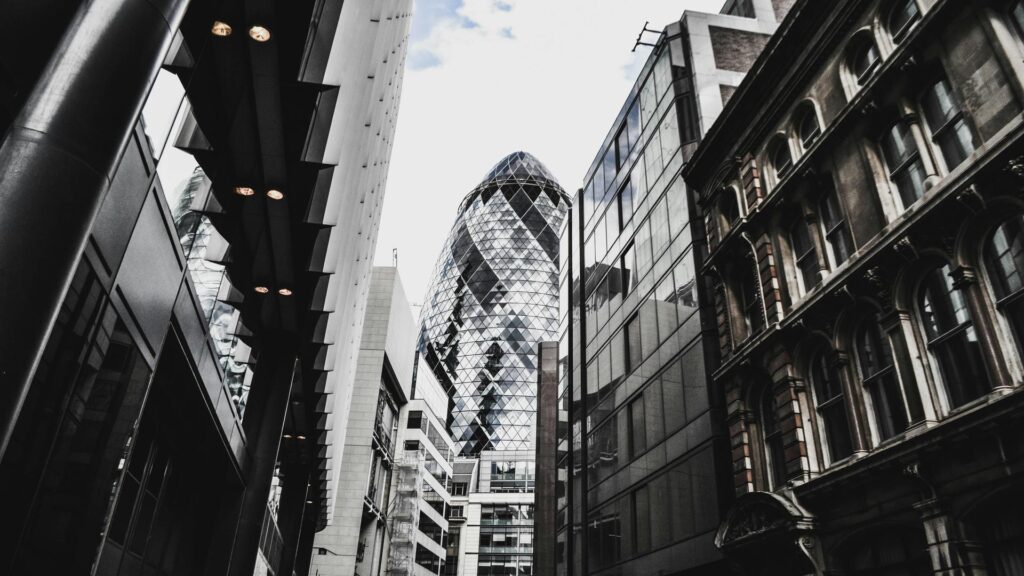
(859,433)
(940,534)
(264,424)
(910,117)
(56,165)
(921,401)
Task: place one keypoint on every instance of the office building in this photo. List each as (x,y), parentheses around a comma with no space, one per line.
(642,452)
(190,198)
(862,198)
(492,300)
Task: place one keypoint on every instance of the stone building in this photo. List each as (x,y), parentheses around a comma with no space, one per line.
(862,198)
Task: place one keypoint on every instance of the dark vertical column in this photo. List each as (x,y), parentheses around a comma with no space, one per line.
(304,554)
(264,423)
(56,165)
(546,505)
(291,512)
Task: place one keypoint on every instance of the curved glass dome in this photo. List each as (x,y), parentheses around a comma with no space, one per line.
(492,299)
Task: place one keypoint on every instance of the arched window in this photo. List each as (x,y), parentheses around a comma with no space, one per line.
(807,126)
(804,255)
(946,123)
(952,341)
(728,210)
(750,298)
(902,18)
(782,160)
(831,406)
(834,227)
(879,379)
(903,160)
(775,454)
(1005,255)
(863,59)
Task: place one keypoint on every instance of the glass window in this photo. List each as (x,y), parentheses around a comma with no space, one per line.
(951,337)
(879,379)
(782,161)
(831,406)
(652,159)
(642,520)
(946,123)
(612,222)
(804,255)
(864,60)
(902,18)
(807,126)
(632,342)
(588,200)
(904,163)
(678,208)
(415,420)
(750,299)
(775,453)
(1005,255)
(729,208)
(629,278)
(626,202)
(637,428)
(1017,15)
(834,228)
(610,168)
(663,72)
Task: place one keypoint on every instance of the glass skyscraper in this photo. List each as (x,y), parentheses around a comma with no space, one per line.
(493,298)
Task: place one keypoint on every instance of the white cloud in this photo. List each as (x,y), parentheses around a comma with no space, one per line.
(495,76)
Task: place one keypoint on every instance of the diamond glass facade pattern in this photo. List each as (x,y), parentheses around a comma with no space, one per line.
(493,298)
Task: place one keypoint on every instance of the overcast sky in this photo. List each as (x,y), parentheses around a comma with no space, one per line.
(485,78)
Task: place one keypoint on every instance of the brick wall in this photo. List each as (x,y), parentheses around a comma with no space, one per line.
(735,50)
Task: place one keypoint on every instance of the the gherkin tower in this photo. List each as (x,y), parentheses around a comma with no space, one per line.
(493,298)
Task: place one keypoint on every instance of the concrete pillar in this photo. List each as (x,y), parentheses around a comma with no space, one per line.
(264,424)
(56,165)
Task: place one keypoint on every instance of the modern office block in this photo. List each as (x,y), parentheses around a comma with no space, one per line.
(492,299)
(357,540)
(866,243)
(642,454)
(546,474)
(189,200)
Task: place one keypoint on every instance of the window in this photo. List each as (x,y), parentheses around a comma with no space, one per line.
(629,278)
(626,203)
(830,402)
(415,421)
(804,255)
(902,18)
(903,159)
(637,428)
(878,377)
(807,126)
(946,122)
(774,451)
(833,222)
(1005,256)
(750,299)
(952,341)
(459,488)
(412,445)
(728,210)
(634,353)
(863,59)
(609,168)
(782,161)
(1017,15)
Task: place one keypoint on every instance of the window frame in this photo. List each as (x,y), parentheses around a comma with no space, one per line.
(779,145)
(807,111)
(823,406)
(865,42)
(1006,297)
(901,33)
(809,255)
(831,227)
(902,165)
(949,126)
(880,381)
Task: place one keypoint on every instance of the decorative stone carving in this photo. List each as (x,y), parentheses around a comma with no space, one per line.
(904,247)
(971,198)
(963,276)
(1016,167)
(754,519)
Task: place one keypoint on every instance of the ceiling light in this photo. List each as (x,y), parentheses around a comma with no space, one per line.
(244,191)
(287,436)
(261,289)
(221,29)
(300,437)
(275,194)
(259,33)
(284,292)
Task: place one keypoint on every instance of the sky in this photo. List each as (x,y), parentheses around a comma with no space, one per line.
(485,78)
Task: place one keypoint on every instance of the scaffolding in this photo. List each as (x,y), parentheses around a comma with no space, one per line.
(404,516)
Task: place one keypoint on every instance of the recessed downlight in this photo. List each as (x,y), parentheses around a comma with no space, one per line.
(275,194)
(261,289)
(259,33)
(244,191)
(284,291)
(222,29)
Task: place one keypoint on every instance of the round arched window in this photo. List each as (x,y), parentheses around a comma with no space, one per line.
(902,18)
(782,161)
(863,60)
(807,126)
